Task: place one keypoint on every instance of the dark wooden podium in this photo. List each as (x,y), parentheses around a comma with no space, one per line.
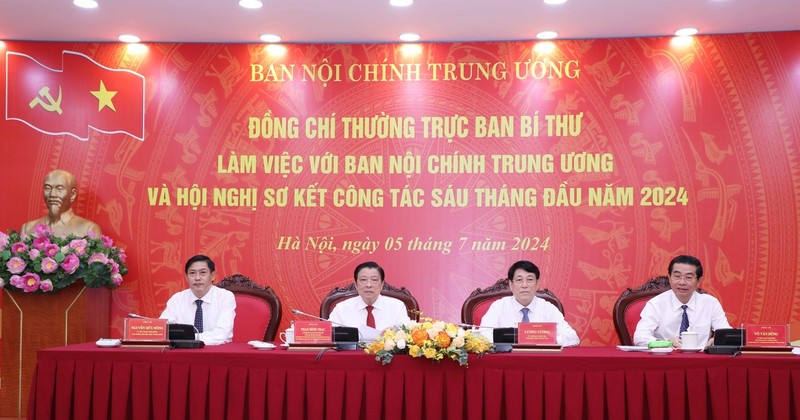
(32,321)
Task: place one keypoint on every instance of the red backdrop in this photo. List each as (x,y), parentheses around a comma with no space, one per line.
(666,149)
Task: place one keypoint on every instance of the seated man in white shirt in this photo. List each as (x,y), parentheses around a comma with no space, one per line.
(524,306)
(208,307)
(370,311)
(668,315)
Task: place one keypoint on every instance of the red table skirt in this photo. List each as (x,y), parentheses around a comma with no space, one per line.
(237,382)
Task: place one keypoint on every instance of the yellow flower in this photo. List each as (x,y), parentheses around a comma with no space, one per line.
(452,330)
(413,351)
(429,353)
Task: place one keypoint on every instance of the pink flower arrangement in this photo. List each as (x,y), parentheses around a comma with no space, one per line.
(43,262)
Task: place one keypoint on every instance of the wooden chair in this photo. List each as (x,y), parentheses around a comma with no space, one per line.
(475,306)
(339,294)
(258,309)
(629,305)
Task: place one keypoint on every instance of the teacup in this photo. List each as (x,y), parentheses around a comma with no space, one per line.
(287,336)
(689,340)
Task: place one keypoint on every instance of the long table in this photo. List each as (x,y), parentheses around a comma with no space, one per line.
(235,381)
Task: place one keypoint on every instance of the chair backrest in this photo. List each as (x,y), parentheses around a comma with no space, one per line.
(629,305)
(341,293)
(475,306)
(258,309)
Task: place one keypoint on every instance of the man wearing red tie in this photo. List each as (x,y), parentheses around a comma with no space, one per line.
(369,309)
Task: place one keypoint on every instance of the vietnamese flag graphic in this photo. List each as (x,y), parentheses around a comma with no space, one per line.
(82,94)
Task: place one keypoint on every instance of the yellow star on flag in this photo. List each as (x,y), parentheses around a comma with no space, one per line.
(104,97)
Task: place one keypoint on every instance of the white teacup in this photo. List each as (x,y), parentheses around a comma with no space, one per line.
(689,340)
(287,336)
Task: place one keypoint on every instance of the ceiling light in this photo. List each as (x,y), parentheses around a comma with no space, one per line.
(409,37)
(555,1)
(86,4)
(401,3)
(130,39)
(271,38)
(686,32)
(547,35)
(251,4)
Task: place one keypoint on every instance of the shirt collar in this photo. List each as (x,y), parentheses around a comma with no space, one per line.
(676,304)
(378,303)
(518,306)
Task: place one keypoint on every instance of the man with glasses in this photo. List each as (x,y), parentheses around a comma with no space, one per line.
(369,309)
(209,308)
(668,315)
(524,306)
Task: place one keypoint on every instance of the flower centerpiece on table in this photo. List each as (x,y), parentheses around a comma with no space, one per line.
(434,340)
(43,262)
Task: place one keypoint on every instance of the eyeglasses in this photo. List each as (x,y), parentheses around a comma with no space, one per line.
(370,281)
(687,277)
(519,282)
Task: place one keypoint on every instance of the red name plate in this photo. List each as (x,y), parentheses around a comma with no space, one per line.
(767,335)
(542,333)
(145,329)
(312,332)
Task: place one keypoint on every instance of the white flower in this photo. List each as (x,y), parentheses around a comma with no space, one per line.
(389,344)
(400,335)
(401,344)
(458,341)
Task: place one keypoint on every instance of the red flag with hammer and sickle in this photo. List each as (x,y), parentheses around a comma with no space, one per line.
(81,95)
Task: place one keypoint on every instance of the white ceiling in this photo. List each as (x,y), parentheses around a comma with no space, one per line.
(368,21)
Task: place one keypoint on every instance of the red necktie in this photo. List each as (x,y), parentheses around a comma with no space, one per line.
(370,318)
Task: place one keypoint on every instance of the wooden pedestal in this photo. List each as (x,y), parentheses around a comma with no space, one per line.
(75,314)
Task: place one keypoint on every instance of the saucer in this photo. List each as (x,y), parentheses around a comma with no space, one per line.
(688,350)
(261,345)
(285,345)
(661,350)
(108,342)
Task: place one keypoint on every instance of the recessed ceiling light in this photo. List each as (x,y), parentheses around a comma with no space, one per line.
(271,38)
(686,32)
(130,39)
(555,1)
(251,4)
(547,35)
(401,3)
(86,4)
(409,37)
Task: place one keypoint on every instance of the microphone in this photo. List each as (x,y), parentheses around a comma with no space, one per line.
(340,345)
(299,312)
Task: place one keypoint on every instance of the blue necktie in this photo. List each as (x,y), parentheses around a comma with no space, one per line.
(525,315)
(684,319)
(198,315)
